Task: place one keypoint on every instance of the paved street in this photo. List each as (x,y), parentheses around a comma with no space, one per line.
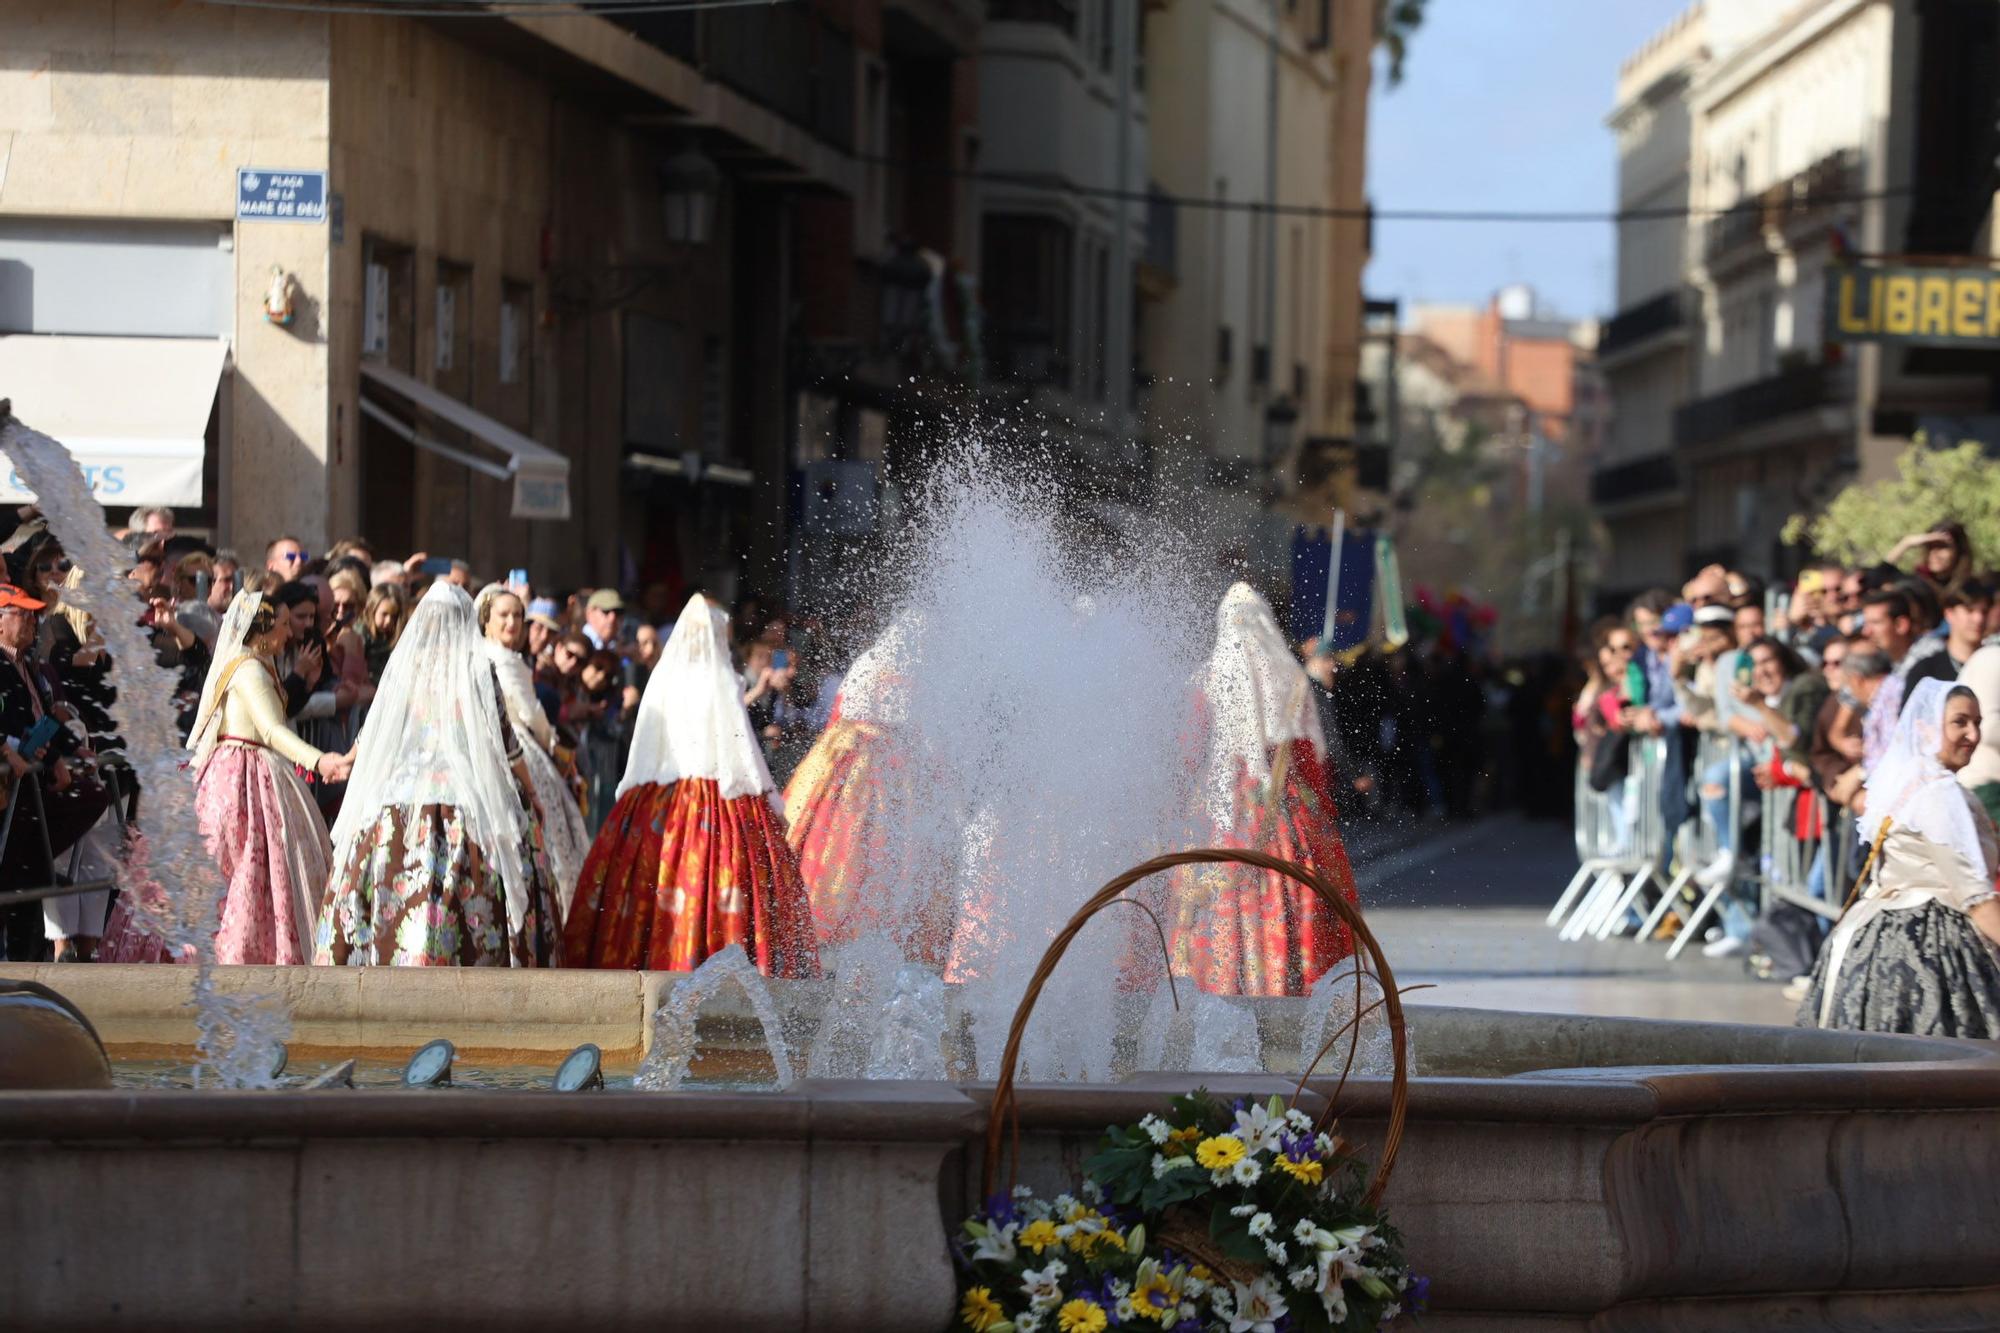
(1463,906)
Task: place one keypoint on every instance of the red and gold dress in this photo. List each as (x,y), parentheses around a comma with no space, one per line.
(1237,930)
(693,857)
(852,809)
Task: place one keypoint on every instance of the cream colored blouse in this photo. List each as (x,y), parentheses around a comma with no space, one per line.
(253,711)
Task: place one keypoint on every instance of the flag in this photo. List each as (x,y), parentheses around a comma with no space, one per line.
(1312,550)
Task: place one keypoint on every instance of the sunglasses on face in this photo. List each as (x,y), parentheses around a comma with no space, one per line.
(292,557)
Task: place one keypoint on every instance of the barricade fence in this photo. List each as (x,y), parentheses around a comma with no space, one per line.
(1741,848)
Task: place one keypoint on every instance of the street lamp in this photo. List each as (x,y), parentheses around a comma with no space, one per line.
(906,282)
(1280,419)
(690,183)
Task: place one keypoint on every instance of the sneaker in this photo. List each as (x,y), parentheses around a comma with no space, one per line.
(1716,872)
(1726,947)
(1797,989)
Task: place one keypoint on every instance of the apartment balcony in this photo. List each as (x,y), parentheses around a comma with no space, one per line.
(1638,325)
(784,57)
(1721,415)
(1805,197)
(1637,480)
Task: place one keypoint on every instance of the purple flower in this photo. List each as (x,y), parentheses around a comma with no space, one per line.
(1001,1211)
(1419,1295)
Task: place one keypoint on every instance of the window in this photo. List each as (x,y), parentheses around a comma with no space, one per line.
(517,314)
(1056,13)
(1026,281)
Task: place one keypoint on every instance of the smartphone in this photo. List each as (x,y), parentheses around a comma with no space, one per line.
(1742,669)
(1635,684)
(517,578)
(35,744)
(780,659)
(435,567)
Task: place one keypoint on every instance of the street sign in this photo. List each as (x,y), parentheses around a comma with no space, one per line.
(1915,306)
(280,196)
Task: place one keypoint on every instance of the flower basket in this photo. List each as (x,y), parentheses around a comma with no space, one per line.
(1244,1218)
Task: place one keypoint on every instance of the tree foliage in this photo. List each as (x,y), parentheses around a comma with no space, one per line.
(1396,22)
(1932,486)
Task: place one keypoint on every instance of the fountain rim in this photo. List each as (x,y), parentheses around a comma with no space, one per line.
(1937,1074)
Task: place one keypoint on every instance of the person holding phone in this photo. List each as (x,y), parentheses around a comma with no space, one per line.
(72,797)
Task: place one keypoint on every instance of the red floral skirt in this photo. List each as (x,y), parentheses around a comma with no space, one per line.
(678,873)
(849,811)
(1239,931)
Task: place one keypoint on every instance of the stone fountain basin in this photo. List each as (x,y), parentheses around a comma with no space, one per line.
(1557,1173)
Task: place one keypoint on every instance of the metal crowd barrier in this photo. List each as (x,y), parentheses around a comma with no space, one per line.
(1621,844)
(1622,849)
(123,807)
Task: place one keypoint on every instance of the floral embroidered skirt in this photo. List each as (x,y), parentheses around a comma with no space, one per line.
(422,894)
(850,812)
(678,873)
(1923,970)
(260,823)
(1239,931)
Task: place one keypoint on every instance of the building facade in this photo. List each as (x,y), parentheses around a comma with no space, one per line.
(1817,134)
(1250,321)
(1644,353)
(559,306)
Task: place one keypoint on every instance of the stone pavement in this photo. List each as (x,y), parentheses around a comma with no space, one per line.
(1464,907)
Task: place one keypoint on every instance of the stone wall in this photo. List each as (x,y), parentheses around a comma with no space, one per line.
(132,109)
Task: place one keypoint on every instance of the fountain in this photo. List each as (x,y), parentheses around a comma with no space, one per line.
(1556,1173)
(168,876)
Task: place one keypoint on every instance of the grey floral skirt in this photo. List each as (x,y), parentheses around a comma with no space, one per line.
(1925,970)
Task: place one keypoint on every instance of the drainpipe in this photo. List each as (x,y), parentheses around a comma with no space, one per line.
(1118,338)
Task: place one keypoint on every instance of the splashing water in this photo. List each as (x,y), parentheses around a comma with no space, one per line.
(1047,697)
(909,1041)
(666,1066)
(1330,1011)
(1207,1034)
(169,879)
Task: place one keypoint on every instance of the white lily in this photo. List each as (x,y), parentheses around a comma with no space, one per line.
(997,1244)
(1259,1129)
(1043,1287)
(1258,1306)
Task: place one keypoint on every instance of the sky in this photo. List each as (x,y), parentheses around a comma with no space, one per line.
(1502,105)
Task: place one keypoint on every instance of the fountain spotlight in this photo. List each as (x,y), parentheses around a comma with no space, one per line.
(334,1076)
(279,1061)
(581,1069)
(430,1067)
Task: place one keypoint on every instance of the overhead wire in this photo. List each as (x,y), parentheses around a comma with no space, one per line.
(478,9)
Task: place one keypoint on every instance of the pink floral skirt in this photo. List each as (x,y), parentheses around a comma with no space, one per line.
(259,822)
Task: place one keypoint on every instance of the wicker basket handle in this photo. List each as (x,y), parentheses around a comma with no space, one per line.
(1005,1114)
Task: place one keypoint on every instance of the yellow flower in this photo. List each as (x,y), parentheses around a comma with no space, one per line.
(1081,1316)
(1039,1235)
(1185,1137)
(980,1311)
(1220,1153)
(1307,1172)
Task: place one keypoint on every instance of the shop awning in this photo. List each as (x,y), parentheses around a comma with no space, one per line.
(133,412)
(540,474)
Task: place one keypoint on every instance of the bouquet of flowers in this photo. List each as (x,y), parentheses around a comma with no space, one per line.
(1212,1219)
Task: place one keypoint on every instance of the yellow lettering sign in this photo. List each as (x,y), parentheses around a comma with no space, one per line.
(1993,307)
(1934,305)
(1965,298)
(1849,321)
(1899,305)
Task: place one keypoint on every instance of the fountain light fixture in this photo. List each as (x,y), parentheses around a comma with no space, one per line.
(279,1061)
(430,1067)
(582,1069)
(334,1076)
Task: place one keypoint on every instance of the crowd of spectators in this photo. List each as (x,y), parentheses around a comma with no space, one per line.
(1807,678)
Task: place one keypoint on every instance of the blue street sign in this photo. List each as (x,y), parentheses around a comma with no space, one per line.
(280,196)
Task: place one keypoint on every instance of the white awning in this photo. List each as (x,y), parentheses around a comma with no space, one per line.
(133,412)
(540,474)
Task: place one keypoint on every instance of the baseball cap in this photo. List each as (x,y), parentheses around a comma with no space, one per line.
(1677,618)
(606,599)
(13,596)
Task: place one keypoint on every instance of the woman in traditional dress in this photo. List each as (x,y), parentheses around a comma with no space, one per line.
(853,814)
(1247,932)
(435,855)
(256,816)
(1919,950)
(503,622)
(693,857)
